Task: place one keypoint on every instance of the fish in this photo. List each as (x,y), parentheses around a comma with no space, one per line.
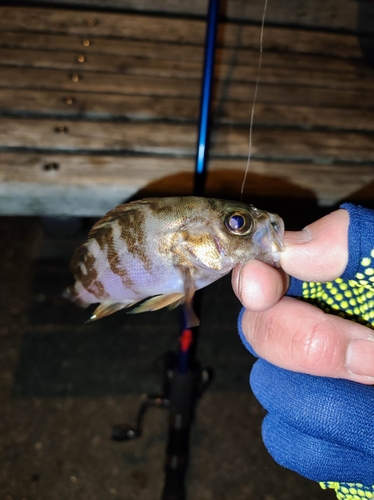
(156,252)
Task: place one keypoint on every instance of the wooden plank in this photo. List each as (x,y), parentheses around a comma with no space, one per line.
(240,61)
(91,185)
(182,31)
(291,94)
(284,72)
(319,13)
(81,185)
(87,23)
(108,106)
(180,139)
(142,50)
(294,145)
(111,106)
(146,137)
(73,61)
(100,45)
(304,117)
(97,82)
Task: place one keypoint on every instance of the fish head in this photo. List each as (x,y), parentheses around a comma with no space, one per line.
(245,232)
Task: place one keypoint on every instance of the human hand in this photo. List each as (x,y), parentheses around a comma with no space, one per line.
(296,335)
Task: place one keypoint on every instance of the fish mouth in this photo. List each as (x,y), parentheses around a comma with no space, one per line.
(270,240)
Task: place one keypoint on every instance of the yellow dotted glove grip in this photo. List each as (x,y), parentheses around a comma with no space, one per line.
(352,299)
(349,491)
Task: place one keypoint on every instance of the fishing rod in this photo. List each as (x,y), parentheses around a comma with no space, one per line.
(203,139)
(184,379)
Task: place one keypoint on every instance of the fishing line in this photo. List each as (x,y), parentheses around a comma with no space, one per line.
(254,102)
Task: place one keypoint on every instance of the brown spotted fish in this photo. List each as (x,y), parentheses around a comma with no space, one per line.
(164,249)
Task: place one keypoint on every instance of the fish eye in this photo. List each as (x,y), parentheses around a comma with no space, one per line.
(239,223)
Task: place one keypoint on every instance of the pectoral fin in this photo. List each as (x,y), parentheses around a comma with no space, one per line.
(190,315)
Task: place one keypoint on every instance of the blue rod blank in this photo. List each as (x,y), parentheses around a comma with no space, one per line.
(206,98)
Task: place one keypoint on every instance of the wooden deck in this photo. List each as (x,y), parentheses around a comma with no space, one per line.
(98,105)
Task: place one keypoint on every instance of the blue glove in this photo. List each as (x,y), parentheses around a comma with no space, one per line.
(320,427)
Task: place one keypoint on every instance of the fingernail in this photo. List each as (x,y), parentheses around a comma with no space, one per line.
(360,357)
(297,237)
(238,281)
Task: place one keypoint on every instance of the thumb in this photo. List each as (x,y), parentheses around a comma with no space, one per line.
(320,251)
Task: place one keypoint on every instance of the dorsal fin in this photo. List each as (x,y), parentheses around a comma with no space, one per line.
(116,213)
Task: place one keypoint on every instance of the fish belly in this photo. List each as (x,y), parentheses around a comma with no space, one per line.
(129,284)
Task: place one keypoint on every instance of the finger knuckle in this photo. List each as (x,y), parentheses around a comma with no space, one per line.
(314,347)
